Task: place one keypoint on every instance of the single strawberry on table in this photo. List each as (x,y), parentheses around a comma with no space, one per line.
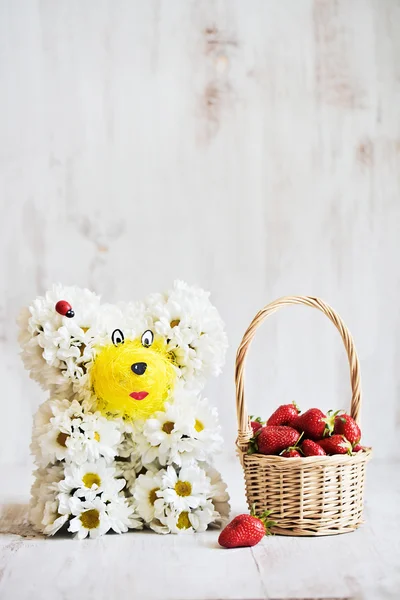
(346,425)
(311,448)
(314,424)
(336,444)
(245,530)
(273,439)
(284,415)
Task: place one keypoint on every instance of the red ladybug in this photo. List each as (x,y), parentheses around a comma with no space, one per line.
(65,309)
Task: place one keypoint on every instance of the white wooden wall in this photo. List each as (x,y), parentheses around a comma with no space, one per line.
(251,146)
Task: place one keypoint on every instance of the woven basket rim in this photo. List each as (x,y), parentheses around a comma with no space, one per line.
(310,461)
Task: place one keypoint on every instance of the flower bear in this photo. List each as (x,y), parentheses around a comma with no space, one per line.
(125,439)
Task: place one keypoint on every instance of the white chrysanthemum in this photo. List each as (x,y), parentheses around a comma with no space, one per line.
(91,479)
(205,430)
(45,512)
(100,437)
(219,494)
(146,494)
(53,427)
(187,489)
(62,431)
(56,348)
(166,436)
(186,430)
(90,518)
(122,516)
(96,517)
(185,521)
(48,414)
(186,317)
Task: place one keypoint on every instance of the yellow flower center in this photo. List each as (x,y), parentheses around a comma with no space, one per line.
(183,521)
(168,426)
(85,329)
(198,426)
(90,479)
(90,519)
(97,436)
(153,496)
(175,323)
(183,488)
(62,439)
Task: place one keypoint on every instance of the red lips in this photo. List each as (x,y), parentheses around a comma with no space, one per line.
(139,395)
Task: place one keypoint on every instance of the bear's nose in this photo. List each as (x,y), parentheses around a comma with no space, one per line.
(139,368)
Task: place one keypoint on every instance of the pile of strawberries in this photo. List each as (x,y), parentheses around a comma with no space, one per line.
(290,434)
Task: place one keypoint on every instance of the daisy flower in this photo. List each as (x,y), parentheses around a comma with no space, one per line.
(100,437)
(53,426)
(219,494)
(53,346)
(63,431)
(90,518)
(90,479)
(185,490)
(166,435)
(193,328)
(45,512)
(187,521)
(205,430)
(186,430)
(146,491)
(121,515)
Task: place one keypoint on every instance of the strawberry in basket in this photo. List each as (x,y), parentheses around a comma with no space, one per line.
(256,423)
(314,424)
(311,448)
(273,439)
(336,444)
(345,425)
(360,448)
(284,415)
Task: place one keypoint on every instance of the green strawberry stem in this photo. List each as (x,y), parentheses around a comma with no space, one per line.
(264,519)
(256,419)
(295,447)
(296,406)
(330,421)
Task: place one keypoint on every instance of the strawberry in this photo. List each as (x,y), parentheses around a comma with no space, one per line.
(336,444)
(272,439)
(346,425)
(311,448)
(314,424)
(245,530)
(290,453)
(359,448)
(256,423)
(284,415)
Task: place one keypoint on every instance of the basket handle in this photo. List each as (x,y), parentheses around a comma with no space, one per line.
(244,427)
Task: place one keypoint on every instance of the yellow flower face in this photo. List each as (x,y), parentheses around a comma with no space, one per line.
(132,378)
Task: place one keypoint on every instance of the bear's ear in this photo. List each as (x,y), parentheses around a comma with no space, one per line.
(56,334)
(193,330)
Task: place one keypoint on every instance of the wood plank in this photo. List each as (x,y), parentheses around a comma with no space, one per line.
(364,564)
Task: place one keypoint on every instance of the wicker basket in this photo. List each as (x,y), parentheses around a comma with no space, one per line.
(306,496)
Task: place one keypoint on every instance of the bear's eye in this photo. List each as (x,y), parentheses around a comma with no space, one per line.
(117,337)
(147,338)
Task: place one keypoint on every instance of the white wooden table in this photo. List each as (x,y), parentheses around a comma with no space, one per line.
(364,565)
